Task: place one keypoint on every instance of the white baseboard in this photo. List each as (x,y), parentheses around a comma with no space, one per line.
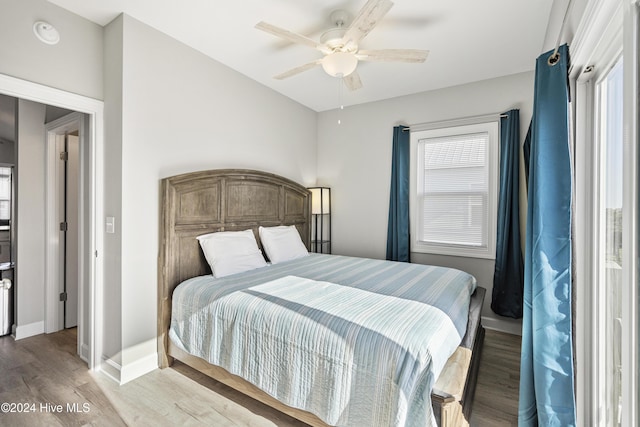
(510,326)
(84,352)
(131,371)
(111,369)
(26,331)
(122,374)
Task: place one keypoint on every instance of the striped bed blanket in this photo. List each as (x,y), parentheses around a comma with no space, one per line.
(354,341)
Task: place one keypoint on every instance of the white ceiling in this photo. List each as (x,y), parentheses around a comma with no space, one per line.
(468,40)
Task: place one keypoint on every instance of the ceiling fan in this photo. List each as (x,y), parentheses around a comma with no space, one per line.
(340,44)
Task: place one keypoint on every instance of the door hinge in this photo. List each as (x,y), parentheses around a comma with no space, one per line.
(63,296)
(63,226)
(64,156)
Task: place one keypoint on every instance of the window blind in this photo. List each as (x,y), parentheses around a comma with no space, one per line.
(455,188)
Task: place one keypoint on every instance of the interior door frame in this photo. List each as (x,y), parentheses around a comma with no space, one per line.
(92,259)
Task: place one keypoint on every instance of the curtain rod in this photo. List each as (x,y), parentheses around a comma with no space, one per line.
(554,58)
(455,122)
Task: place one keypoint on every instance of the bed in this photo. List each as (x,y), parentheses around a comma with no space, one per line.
(234,200)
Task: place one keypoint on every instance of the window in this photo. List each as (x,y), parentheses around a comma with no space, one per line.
(609,254)
(606,238)
(454,190)
(605,76)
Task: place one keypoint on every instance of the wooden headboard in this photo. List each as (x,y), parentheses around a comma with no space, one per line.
(217,200)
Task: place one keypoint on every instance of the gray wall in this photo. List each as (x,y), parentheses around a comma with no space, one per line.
(112,301)
(354,159)
(30,242)
(169,110)
(74,64)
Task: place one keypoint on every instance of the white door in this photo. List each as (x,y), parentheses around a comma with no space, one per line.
(67,147)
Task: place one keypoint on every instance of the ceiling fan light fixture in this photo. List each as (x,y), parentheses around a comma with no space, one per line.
(339,64)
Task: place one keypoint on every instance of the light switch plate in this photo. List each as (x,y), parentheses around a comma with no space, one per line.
(111,225)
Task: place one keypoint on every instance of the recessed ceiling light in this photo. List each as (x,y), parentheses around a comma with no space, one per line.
(46,32)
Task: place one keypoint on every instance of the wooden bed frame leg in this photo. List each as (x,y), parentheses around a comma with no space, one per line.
(453,401)
(473,373)
(164,360)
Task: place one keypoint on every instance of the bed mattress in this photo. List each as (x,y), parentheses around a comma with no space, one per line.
(354,341)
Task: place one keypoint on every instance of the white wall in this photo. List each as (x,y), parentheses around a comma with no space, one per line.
(354,159)
(74,64)
(30,243)
(181,112)
(573,16)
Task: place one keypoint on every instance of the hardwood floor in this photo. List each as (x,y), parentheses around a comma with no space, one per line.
(37,374)
(495,403)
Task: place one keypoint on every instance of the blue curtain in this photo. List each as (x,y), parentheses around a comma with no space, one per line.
(398,227)
(506,298)
(526,150)
(546,368)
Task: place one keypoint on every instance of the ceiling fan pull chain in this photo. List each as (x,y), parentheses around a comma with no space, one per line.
(340,95)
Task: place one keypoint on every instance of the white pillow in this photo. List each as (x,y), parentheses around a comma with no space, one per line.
(282,243)
(231,252)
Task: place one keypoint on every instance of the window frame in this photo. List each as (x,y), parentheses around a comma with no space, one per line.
(602,340)
(609,28)
(489,124)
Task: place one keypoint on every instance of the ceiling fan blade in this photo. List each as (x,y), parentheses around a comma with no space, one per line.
(393,55)
(298,70)
(290,35)
(352,81)
(368,17)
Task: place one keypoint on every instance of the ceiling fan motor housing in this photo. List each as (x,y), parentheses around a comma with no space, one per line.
(333,37)
(340,18)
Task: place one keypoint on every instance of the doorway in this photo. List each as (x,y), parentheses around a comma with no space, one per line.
(92,190)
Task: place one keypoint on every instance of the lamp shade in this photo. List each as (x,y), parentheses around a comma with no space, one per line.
(320,200)
(339,64)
